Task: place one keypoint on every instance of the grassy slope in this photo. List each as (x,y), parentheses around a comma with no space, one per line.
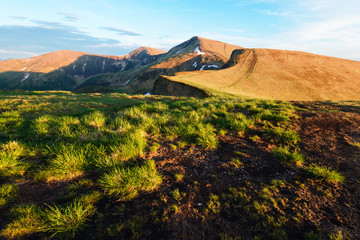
(130,167)
(42,64)
(286,75)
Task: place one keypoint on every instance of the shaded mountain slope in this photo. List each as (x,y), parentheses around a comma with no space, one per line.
(194,54)
(65,70)
(285,75)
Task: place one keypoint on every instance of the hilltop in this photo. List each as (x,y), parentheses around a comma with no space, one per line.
(280,74)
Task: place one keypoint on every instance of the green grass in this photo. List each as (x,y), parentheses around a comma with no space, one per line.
(206,136)
(283,136)
(65,222)
(8,193)
(179,176)
(70,161)
(93,150)
(284,154)
(10,162)
(127,183)
(131,145)
(95,119)
(236,162)
(26,220)
(326,174)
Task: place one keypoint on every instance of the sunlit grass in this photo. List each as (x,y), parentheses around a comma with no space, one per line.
(10,163)
(70,161)
(127,183)
(131,145)
(27,219)
(282,135)
(8,193)
(284,154)
(326,174)
(65,222)
(95,119)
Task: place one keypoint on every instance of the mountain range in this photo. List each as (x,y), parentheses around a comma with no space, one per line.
(207,65)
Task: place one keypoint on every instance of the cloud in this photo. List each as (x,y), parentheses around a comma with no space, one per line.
(243,3)
(28,41)
(122,31)
(70,17)
(276,13)
(15,54)
(48,24)
(327,27)
(19,18)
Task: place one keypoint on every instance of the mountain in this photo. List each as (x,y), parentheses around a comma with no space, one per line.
(65,70)
(277,74)
(194,54)
(204,64)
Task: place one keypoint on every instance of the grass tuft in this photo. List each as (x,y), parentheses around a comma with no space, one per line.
(27,220)
(206,136)
(284,154)
(95,119)
(10,164)
(65,222)
(70,162)
(288,137)
(132,145)
(8,193)
(326,174)
(127,183)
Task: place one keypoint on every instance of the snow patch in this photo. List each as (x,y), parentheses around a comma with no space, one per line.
(25,77)
(195,64)
(126,82)
(203,67)
(103,65)
(83,68)
(24,69)
(214,66)
(197,50)
(148,94)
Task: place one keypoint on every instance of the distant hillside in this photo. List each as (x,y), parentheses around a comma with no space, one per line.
(279,74)
(65,70)
(194,54)
(260,73)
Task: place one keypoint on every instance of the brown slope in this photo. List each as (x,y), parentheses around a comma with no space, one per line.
(55,60)
(146,50)
(285,75)
(200,50)
(44,63)
(66,70)
(194,54)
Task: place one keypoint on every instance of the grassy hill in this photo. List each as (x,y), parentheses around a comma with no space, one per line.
(279,74)
(115,166)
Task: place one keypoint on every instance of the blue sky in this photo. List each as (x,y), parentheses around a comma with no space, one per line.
(115,27)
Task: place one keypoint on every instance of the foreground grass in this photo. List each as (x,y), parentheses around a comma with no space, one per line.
(95,149)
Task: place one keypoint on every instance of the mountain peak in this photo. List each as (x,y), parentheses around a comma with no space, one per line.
(202,46)
(146,51)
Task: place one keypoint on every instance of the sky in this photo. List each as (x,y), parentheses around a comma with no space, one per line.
(116,27)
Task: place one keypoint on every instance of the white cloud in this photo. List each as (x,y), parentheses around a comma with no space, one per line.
(328,27)
(276,13)
(18,53)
